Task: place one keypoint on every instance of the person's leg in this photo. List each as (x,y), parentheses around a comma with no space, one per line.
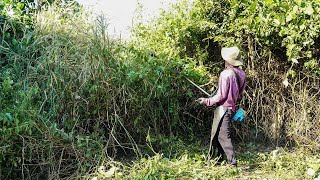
(221,152)
(224,138)
(216,149)
(213,147)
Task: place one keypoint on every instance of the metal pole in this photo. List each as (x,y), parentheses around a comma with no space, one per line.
(205,92)
(198,87)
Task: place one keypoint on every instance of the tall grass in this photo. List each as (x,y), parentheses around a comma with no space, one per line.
(86,97)
(282,115)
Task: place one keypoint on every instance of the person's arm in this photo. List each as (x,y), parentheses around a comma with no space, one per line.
(222,92)
(212,100)
(221,95)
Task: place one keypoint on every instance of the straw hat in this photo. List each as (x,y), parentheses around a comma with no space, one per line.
(232,55)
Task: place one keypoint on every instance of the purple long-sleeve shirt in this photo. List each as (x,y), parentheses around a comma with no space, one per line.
(228,90)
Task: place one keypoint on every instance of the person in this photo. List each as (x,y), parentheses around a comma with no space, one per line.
(232,82)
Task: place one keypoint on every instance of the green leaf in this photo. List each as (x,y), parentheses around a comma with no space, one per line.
(295,9)
(7,35)
(298,2)
(316,167)
(292,73)
(276,21)
(9,117)
(309,10)
(311,64)
(282,32)
(148,138)
(88,164)
(14,42)
(20,6)
(269,2)
(253,7)
(289,17)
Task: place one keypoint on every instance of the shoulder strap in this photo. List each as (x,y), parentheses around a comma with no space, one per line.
(237,78)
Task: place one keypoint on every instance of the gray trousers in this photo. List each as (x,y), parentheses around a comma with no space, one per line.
(222,140)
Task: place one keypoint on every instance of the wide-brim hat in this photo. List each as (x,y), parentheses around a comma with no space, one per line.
(232,55)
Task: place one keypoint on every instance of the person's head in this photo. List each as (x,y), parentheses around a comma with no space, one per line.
(232,56)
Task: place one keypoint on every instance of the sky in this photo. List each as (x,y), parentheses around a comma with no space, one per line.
(120,13)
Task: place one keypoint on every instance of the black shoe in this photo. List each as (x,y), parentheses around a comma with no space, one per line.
(234,165)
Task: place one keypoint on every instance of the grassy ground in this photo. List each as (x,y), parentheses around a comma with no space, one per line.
(189,162)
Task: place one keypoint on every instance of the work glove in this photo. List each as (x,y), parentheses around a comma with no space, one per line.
(201,100)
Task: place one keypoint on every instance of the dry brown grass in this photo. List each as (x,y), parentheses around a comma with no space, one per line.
(284,115)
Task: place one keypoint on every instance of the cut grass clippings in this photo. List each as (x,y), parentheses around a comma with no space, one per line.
(254,162)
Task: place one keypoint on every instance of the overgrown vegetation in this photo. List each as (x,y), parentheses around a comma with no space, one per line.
(72,99)
(279,40)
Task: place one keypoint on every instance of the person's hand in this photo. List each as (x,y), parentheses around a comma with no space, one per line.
(201,100)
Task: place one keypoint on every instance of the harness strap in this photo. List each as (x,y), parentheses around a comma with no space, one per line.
(237,78)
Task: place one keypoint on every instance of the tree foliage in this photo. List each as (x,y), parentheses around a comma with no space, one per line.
(193,27)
